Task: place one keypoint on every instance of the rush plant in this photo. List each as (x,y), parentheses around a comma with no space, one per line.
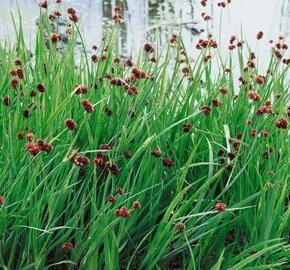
(158,162)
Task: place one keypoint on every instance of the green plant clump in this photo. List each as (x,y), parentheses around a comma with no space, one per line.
(156,162)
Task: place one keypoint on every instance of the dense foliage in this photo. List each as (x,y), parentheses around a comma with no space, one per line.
(159,162)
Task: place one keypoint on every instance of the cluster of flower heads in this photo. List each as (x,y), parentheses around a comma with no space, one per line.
(34,148)
(101,160)
(55,38)
(117,17)
(219,207)
(279,49)
(18,75)
(282,123)
(73,15)
(205,43)
(220,3)
(126,83)
(124,212)
(230,155)
(79,160)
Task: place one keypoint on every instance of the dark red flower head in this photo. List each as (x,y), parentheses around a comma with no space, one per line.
(55,38)
(114,169)
(120,191)
(88,107)
(43,4)
(13,72)
(40,87)
(220,152)
(186,128)
(111,199)
(229,167)
(222,4)
(156,153)
(26,113)
(128,154)
(264,133)
(124,212)
(136,205)
(44,146)
(81,89)
(117,18)
(20,136)
(216,102)
(68,246)
(232,39)
(281,123)
(185,70)
(232,47)
(148,48)
(1,200)
(74,18)
(266,154)
(254,96)
(108,111)
(101,161)
(249,122)
(129,62)
(30,137)
(224,91)
(105,147)
(94,58)
(260,79)
(260,35)
(80,160)
(133,90)
(14,83)
(167,162)
(71,11)
(33,149)
(33,93)
(180,227)
(231,155)
(117,8)
(253,132)
(6,101)
(20,73)
(70,124)
(52,17)
(220,207)
(18,62)
(206,110)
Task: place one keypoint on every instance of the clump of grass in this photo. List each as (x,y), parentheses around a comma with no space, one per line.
(114,164)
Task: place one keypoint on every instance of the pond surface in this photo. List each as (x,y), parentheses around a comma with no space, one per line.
(142,18)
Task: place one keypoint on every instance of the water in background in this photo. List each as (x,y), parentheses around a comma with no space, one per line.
(143,17)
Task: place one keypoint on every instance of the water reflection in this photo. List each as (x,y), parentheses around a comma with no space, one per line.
(271,16)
